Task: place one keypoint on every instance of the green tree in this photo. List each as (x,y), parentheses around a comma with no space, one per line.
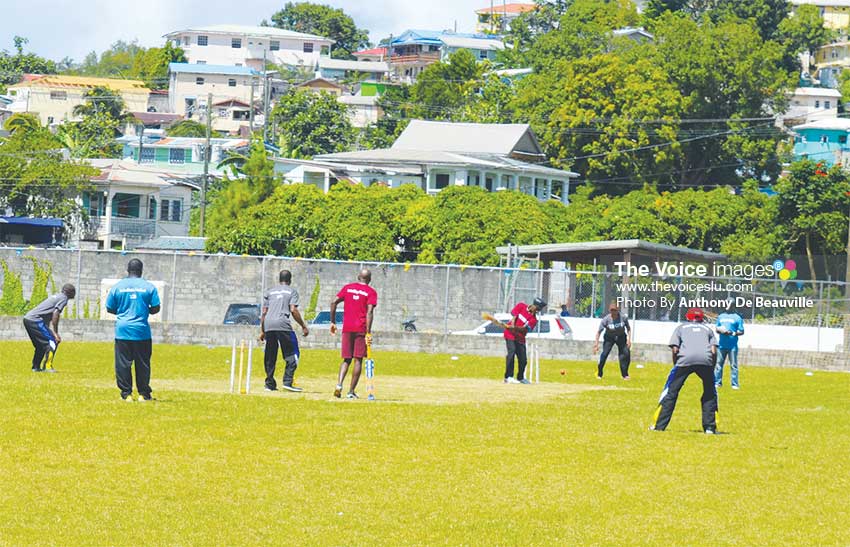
(37,180)
(766,15)
(14,65)
(186,128)
(151,66)
(103,116)
(312,123)
(813,200)
(804,32)
(324,21)
(115,62)
(443,89)
(610,117)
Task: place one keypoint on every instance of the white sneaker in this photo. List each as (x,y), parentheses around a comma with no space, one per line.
(709,432)
(511,380)
(736,387)
(128,398)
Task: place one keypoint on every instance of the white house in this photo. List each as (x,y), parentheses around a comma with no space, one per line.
(232,88)
(339,69)
(133,203)
(436,155)
(241,45)
(808,104)
(363,110)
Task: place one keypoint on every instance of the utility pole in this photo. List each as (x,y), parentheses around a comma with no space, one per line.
(141,127)
(207,157)
(847,271)
(251,102)
(492,18)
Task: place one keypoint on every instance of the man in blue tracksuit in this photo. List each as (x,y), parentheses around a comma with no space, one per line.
(729,325)
(132,300)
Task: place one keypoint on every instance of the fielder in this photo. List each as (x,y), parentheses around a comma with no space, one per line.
(729,325)
(694,349)
(617,332)
(42,326)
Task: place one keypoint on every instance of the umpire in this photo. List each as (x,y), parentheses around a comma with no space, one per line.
(694,348)
(132,300)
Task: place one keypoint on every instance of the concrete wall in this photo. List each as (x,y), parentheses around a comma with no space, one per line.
(207,284)
(181,333)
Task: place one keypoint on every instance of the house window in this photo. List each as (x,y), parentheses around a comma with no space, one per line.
(824,139)
(488,184)
(308,47)
(201,62)
(152,209)
(482,54)
(203,40)
(49,120)
(148,155)
(817,104)
(125,205)
(274,45)
(58,95)
(171,210)
(238,64)
(231,82)
(236,43)
(176,155)
(185,41)
(199,81)
(94,204)
(842,139)
(222,112)
(441,181)
(826,104)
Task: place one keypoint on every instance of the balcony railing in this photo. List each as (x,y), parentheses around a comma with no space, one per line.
(414,58)
(128,226)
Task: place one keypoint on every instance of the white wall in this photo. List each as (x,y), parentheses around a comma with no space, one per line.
(756,336)
(219,50)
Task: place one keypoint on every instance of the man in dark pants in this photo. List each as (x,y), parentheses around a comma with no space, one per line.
(694,350)
(132,300)
(279,304)
(42,326)
(523,320)
(360,300)
(617,332)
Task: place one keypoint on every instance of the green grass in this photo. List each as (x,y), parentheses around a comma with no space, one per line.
(481,463)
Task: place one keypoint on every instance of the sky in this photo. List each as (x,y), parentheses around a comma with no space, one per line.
(72,28)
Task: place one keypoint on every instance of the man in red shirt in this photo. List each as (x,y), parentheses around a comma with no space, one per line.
(523,320)
(360,300)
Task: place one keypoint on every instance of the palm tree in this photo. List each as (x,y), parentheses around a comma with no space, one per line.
(22,122)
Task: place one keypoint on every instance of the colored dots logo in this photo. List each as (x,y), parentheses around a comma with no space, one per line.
(785,269)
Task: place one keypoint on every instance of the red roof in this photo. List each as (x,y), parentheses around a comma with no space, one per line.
(508,8)
(232,102)
(373,51)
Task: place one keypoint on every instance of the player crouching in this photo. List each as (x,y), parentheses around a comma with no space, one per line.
(694,350)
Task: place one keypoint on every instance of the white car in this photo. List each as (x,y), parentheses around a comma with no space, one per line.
(548,326)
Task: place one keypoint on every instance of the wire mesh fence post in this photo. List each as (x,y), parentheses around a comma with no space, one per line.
(446,303)
(173,290)
(79,282)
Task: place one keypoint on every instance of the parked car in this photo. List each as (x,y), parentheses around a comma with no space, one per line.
(549,325)
(242,314)
(323,320)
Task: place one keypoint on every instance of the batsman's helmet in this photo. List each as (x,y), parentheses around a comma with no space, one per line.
(539,303)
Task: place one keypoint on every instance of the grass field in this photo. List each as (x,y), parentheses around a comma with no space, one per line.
(448,455)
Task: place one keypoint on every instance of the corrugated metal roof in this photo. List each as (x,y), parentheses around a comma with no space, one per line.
(84,82)
(189,68)
(515,8)
(344,64)
(252,31)
(472,43)
(484,138)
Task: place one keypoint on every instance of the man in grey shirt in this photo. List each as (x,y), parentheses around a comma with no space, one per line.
(42,326)
(280,303)
(694,348)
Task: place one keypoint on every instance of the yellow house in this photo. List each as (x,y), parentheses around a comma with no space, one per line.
(53,97)
(835,13)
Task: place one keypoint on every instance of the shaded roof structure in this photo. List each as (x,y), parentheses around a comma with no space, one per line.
(606,253)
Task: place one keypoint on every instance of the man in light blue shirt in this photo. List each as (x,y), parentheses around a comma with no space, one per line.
(132,300)
(729,325)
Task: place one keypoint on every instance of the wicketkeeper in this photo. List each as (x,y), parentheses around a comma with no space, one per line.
(694,350)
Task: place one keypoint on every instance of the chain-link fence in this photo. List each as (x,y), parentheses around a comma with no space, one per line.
(209,289)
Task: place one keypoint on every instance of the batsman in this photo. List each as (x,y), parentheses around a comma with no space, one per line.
(694,349)
(523,320)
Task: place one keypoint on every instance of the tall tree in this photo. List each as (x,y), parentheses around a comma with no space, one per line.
(813,201)
(443,89)
(103,115)
(186,128)
(324,21)
(312,123)
(804,32)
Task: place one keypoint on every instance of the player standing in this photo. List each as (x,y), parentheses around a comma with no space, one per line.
(694,351)
(729,325)
(132,300)
(523,320)
(279,304)
(617,332)
(42,326)
(360,300)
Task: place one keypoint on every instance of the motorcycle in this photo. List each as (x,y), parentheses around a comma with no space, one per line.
(409,325)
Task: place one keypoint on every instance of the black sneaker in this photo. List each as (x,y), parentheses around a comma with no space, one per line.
(271,388)
(292,388)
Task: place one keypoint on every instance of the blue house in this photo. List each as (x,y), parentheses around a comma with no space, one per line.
(823,141)
(413,50)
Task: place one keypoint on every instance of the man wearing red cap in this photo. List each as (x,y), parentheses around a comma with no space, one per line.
(694,348)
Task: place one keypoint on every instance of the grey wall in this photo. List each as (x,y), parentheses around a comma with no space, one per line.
(199,287)
(11,328)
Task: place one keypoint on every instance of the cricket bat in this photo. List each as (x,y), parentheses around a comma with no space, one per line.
(493,320)
(370,373)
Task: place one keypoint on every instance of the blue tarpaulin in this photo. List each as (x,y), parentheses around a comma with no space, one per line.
(29,221)
(31,231)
